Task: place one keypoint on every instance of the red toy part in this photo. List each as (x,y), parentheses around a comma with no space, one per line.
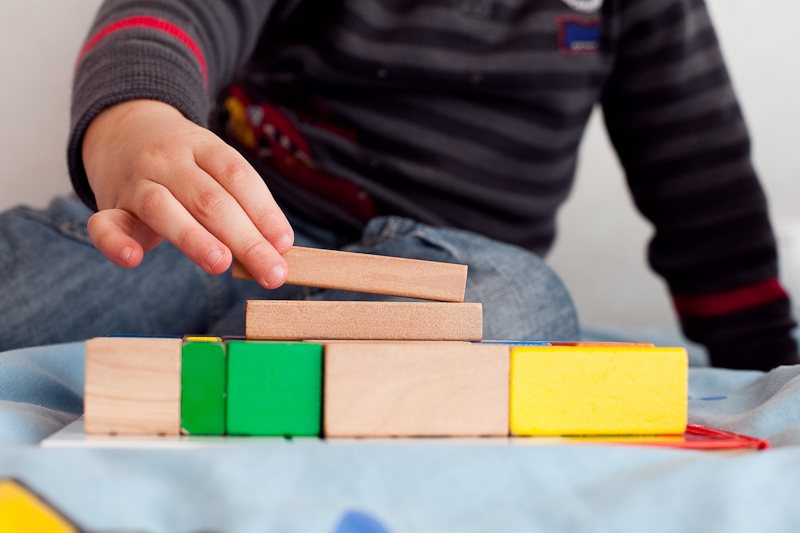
(702,438)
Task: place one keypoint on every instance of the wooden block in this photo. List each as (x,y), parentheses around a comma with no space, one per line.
(133,386)
(379,274)
(274,388)
(203,387)
(603,344)
(306,319)
(571,343)
(416,389)
(23,510)
(585,390)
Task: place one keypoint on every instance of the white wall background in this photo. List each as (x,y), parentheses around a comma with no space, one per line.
(600,251)
(601,248)
(39,42)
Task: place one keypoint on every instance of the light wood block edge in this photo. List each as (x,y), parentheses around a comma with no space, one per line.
(415,389)
(309,319)
(378,274)
(133,386)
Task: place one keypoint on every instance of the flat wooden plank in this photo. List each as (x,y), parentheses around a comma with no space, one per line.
(598,390)
(416,389)
(133,386)
(379,274)
(306,319)
(274,388)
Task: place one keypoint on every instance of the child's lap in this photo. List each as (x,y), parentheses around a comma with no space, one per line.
(56,287)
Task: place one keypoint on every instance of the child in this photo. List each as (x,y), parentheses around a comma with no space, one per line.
(460,114)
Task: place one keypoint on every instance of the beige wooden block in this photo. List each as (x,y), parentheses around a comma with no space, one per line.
(415,389)
(306,319)
(379,274)
(133,386)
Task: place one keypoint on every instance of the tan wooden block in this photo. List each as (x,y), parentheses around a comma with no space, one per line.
(379,274)
(133,386)
(307,319)
(416,389)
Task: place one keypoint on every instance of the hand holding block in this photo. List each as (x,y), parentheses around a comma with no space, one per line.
(133,386)
(379,274)
(561,390)
(309,319)
(415,389)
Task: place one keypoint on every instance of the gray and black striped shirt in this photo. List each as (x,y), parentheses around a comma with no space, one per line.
(469,113)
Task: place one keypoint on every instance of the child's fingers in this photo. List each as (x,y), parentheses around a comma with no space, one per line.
(156,207)
(121,237)
(239,178)
(215,210)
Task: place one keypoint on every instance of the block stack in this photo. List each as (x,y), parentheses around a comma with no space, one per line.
(379,369)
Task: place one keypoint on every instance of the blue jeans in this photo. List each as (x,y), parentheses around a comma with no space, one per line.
(56,287)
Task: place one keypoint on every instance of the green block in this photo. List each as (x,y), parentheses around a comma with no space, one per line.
(203,388)
(274,388)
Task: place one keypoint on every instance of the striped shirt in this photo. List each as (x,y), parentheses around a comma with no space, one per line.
(469,113)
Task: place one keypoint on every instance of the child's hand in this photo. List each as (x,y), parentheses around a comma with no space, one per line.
(157,175)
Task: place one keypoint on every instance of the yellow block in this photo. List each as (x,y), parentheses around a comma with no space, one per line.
(21,511)
(575,390)
(201,338)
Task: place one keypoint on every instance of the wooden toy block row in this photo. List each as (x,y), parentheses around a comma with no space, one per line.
(330,269)
(386,389)
(149,386)
(307,319)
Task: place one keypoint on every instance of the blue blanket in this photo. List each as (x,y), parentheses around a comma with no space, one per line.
(307,485)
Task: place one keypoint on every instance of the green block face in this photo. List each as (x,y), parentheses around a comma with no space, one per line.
(274,388)
(203,388)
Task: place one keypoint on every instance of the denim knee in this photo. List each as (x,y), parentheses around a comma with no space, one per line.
(522,297)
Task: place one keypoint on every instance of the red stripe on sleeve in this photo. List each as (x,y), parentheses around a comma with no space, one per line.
(710,305)
(148,22)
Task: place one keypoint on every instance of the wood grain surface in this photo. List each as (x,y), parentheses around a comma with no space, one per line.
(133,386)
(416,389)
(307,319)
(379,274)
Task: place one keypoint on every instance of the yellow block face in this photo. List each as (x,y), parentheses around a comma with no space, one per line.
(22,512)
(598,390)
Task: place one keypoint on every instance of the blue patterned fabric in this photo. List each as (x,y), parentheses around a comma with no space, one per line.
(308,485)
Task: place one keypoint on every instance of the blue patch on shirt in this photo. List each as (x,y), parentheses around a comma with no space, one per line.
(578,35)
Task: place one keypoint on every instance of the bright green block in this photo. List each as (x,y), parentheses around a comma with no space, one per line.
(274,388)
(203,388)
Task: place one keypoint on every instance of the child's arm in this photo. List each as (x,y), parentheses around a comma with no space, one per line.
(150,168)
(156,175)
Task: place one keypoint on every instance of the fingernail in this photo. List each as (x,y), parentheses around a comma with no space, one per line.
(284,242)
(275,276)
(125,255)
(214,258)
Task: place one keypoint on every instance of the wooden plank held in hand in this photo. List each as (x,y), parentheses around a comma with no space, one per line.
(310,319)
(379,274)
